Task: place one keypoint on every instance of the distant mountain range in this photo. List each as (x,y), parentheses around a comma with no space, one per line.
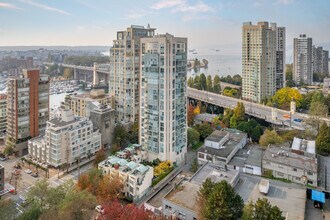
(81,48)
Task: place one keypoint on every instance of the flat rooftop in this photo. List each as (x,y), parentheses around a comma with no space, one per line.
(215,173)
(290,198)
(205,117)
(285,157)
(235,136)
(184,195)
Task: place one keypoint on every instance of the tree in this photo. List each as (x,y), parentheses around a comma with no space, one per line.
(90,181)
(261,210)
(219,201)
(284,96)
(316,111)
(33,212)
(231,92)
(197,83)
(204,130)
(109,189)
(209,85)
(9,150)
(227,115)
(289,76)
(192,136)
(197,110)
(216,84)
(323,140)
(194,166)
(68,73)
(7,209)
(233,121)
(190,116)
(239,111)
(120,135)
(270,137)
(133,133)
(118,211)
(100,156)
(203,81)
(191,82)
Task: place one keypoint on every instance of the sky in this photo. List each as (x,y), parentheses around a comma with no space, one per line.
(206,23)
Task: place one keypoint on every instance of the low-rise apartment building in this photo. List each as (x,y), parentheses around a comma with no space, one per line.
(67,139)
(283,163)
(136,177)
(221,146)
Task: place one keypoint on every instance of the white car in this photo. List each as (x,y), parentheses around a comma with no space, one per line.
(28,171)
(99,209)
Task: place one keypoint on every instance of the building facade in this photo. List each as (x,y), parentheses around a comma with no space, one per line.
(66,141)
(27,108)
(82,104)
(163,123)
(124,72)
(320,60)
(3,113)
(258,61)
(289,165)
(136,177)
(280,56)
(302,60)
(2,177)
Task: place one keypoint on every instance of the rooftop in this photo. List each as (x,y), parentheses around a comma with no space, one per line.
(205,117)
(285,157)
(303,145)
(254,157)
(184,195)
(215,173)
(94,94)
(58,122)
(235,136)
(125,165)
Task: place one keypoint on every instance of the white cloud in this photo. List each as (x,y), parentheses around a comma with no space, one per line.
(45,7)
(168,4)
(80,27)
(200,7)
(9,6)
(285,2)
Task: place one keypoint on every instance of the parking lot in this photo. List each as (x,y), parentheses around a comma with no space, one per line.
(290,198)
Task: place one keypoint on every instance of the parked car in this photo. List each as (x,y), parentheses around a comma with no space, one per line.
(28,171)
(297,120)
(286,116)
(34,175)
(3,158)
(99,209)
(264,186)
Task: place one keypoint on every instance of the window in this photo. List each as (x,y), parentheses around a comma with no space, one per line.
(309,173)
(167,207)
(200,155)
(280,174)
(294,169)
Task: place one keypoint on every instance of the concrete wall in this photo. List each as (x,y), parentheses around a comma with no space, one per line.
(170,209)
(2,178)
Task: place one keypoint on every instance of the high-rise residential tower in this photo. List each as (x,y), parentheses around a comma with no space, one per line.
(124,72)
(320,60)
(27,108)
(280,56)
(258,61)
(3,113)
(163,123)
(302,59)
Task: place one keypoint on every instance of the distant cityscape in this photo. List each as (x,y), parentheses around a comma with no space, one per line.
(152,129)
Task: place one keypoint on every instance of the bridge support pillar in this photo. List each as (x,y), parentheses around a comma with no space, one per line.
(293,107)
(75,74)
(96,77)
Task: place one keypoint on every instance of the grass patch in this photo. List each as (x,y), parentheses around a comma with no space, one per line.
(276,178)
(161,176)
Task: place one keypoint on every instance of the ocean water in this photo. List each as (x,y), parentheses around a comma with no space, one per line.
(221,65)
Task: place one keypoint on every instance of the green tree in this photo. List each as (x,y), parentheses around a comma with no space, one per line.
(203,81)
(316,111)
(289,76)
(197,83)
(9,150)
(192,136)
(204,130)
(270,137)
(194,166)
(323,140)
(261,210)
(33,212)
(7,209)
(252,128)
(226,117)
(191,82)
(209,84)
(216,84)
(219,201)
(120,135)
(233,121)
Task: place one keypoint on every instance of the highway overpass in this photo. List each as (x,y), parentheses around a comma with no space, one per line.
(273,115)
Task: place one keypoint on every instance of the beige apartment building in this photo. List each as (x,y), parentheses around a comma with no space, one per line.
(125,72)
(3,113)
(82,104)
(258,61)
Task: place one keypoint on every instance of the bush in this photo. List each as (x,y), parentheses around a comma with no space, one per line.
(9,150)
